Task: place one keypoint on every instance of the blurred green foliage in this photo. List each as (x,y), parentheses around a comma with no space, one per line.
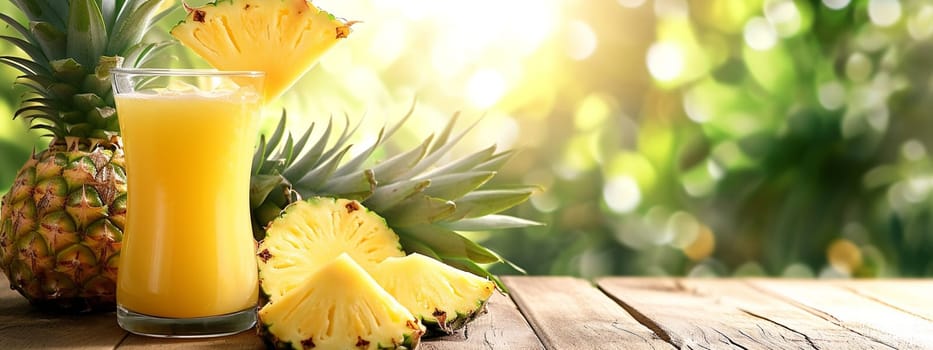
(776,138)
(671,137)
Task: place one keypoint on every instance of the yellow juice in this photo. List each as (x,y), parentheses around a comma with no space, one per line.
(188,249)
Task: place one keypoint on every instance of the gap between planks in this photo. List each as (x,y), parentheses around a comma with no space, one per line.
(569,313)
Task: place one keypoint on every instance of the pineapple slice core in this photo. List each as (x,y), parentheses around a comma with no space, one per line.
(339,307)
(443,297)
(312,233)
(283,38)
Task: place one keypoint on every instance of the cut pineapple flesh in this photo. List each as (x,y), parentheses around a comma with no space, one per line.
(339,307)
(443,297)
(283,38)
(312,233)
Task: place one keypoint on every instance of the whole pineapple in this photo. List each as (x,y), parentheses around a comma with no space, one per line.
(61,223)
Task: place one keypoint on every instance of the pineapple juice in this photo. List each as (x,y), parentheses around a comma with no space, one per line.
(188,250)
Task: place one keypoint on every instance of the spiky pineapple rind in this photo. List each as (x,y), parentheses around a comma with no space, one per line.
(61,226)
(435,328)
(272,342)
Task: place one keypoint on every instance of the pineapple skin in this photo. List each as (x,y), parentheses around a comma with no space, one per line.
(437,328)
(61,226)
(273,342)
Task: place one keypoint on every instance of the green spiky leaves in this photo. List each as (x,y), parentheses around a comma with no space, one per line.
(70,47)
(426,199)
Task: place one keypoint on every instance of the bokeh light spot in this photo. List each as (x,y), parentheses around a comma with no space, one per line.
(784,16)
(832,95)
(622,194)
(858,67)
(695,107)
(844,256)
(592,112)
(685,229)
(797,270)
(836,4)
(631,3)
(920,25)
(671,8)
(913,150)
(582,40)
(759,34)
(703,246)
(884,13)
(665,61)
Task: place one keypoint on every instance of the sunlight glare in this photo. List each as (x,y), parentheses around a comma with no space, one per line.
(665,61)
(485,88)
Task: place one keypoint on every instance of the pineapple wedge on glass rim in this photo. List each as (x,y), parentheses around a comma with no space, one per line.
(283,38)
(339,306)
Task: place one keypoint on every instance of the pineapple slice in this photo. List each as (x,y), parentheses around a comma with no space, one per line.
(309,234)
(283,38)
(442,297)
(338,307)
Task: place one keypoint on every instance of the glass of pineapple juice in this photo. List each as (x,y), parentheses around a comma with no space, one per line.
(187,265)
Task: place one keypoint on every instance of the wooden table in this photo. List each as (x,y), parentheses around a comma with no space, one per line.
(615,313)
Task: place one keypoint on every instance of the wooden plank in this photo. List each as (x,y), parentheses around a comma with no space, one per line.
(244,341)
(854,312)
(909,296)
(819,332)
(22,327)
(502,327)
(690,321)
(569,313)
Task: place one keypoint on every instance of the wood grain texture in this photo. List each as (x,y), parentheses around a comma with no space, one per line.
(244,341)
(854,312)
(22,327)
(693,321)
(909,296)
(502,327)
(821,333)
(569,313)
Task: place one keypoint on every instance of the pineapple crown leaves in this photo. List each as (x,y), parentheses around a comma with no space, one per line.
(70,47)
(426,200)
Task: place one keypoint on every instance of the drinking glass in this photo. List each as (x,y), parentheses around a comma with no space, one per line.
(187,264)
